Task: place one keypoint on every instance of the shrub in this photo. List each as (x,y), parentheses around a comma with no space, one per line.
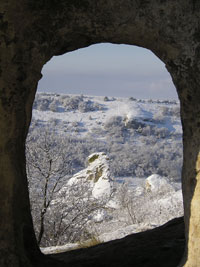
(159,117)
(132,98)
(42,104)
(113,122)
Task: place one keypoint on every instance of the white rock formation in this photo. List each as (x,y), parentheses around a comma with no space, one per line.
(97,174)
(155,183)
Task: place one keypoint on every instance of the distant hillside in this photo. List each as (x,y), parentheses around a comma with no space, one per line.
(101,168)
(140,136)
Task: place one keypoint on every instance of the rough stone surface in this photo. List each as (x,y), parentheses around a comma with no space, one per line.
(96,175)
(31,32)
(160,247)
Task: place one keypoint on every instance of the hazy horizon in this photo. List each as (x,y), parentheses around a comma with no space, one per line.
(108,70)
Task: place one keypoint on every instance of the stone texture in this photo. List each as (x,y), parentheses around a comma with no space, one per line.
(31,32)
(160,247)
(96,175)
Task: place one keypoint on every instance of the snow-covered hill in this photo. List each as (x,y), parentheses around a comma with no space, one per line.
(140,137)
(80,115)
(117,162)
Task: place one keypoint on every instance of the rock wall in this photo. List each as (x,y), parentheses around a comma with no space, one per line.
(31,32)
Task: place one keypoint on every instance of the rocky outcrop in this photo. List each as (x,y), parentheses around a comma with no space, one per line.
(97,174)
(96,177)
(155,183)
(33,31)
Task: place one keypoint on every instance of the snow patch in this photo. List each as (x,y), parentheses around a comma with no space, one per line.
(156,183)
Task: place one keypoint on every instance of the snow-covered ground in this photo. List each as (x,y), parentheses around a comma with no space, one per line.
(121,127)
(166,203)
(144,112)
(134,155)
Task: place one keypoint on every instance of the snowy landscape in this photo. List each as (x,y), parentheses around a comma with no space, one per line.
(100,168)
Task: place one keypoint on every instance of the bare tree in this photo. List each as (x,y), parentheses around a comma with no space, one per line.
(148,206)
(72,214)
(46,168)
(61,213)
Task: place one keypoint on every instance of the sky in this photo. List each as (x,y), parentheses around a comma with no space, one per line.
(108,70)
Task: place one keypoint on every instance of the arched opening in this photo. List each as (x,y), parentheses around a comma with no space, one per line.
(40,30)
(140,134)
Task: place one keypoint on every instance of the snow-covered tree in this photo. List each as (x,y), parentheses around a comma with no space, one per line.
(62,212)
(46,167)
